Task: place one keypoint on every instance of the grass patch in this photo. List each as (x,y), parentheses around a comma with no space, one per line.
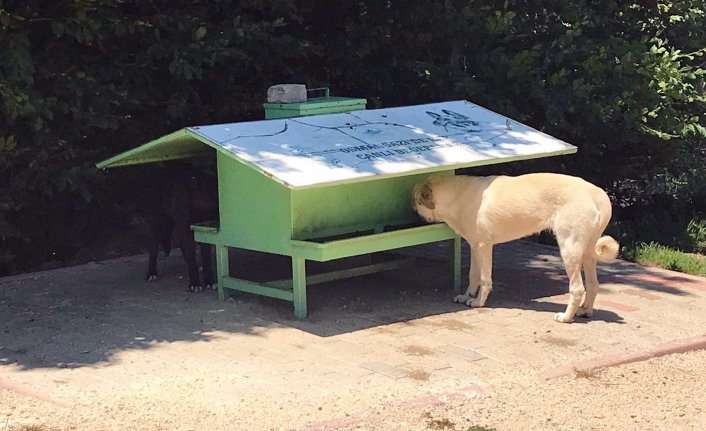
(667,258)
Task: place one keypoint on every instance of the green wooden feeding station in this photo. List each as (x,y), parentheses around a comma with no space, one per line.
(338,183)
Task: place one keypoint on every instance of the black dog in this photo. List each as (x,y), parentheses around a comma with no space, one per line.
(187,195)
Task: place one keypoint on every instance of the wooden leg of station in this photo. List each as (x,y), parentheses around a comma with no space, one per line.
(299,286)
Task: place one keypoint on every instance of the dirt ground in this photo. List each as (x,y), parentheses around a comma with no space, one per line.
(96,348)
(667,393)
(659,394)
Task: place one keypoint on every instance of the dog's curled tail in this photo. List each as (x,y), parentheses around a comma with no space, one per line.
(606,248)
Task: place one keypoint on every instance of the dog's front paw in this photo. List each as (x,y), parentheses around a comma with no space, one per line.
(195,288)
(468,300)
(463,299)
(475,303)
(210,286)
(152,277)
(562,318)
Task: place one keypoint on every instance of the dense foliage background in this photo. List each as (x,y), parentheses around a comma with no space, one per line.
(81,80)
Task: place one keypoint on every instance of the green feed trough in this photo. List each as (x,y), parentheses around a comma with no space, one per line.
(326,179)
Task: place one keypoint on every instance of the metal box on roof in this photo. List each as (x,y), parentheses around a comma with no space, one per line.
(337,185)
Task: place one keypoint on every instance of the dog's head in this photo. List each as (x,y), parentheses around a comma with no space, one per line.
(423,201)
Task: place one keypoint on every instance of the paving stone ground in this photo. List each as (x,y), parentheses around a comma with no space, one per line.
(99,328)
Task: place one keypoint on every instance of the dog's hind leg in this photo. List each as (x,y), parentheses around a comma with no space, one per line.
(152,274)
(589,271)
(161,228)
(572,254)
(188,249)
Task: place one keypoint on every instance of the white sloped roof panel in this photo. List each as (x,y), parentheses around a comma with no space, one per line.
(337,148)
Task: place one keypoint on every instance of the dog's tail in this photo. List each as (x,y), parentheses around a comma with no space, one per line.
(606,248)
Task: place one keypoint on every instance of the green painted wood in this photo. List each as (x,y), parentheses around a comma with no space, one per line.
(360,271)
(257,288)
(299,287)
(207,232)
(222,268)
(356,246)
(177,145)
(314,106)
(346,208)
(346,273)
(254,210)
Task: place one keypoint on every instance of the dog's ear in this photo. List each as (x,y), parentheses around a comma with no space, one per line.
(426,196)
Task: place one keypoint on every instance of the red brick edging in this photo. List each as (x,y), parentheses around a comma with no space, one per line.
(677,346)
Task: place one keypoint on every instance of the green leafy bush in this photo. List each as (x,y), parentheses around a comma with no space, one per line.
(82,80)
(696,229)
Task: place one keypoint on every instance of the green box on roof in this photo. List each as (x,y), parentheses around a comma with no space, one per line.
(326,179)
(314,106)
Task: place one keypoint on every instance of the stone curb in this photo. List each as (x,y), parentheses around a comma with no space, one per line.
(678,346)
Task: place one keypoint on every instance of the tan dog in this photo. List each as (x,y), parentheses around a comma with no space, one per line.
(497,209)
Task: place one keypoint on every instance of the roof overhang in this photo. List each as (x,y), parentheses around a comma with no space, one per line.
(356,146)
(181,144)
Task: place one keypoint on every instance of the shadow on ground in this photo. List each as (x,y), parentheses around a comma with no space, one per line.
(85,315)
